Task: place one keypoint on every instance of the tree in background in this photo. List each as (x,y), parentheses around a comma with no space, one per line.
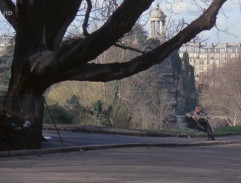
(222,97)
(188,79)
(120,103)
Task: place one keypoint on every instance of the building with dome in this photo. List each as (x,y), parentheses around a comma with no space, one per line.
(158,28)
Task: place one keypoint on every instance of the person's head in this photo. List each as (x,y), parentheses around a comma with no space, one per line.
(198,109)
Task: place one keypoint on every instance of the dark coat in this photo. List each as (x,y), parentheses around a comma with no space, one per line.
(202,121)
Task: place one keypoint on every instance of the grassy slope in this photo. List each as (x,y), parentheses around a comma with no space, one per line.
(232,130)
(236,130)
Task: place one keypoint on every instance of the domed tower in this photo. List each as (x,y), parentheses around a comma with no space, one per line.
(158,17)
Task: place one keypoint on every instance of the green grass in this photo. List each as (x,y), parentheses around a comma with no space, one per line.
(220,131)
(192,132)
(176,130)
(232,130)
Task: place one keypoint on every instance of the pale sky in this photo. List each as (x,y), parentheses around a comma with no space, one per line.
(228,19)
(186,9)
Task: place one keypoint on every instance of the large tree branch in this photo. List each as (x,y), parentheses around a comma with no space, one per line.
(109,72)
(121,22)
(59,15)
(46,21)
(72,55)
(7,8)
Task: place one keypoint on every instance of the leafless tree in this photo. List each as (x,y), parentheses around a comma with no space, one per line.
(224,92)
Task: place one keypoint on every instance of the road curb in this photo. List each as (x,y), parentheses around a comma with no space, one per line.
(109,146)
(116,131)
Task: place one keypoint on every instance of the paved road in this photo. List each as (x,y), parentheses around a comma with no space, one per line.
(214,164)
(83,139)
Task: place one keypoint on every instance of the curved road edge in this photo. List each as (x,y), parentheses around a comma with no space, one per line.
(109,146)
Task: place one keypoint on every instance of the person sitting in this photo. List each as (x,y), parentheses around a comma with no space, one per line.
(202,121)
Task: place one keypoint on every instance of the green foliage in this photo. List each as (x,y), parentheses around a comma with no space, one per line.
(176,61)
(153,42)
(188,85)
(84,115)
(187,72)
(141,39)
(115,93)
(60,115)
(141,35)
(96,108)
(190,103)
(100,116)
(76,110)
(74,104)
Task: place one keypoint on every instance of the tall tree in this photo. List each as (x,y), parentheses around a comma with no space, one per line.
(41,58)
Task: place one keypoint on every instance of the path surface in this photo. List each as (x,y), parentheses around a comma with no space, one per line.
(84,139)
(214,164)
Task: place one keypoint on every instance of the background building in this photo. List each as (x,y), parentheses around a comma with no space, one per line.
(205,57)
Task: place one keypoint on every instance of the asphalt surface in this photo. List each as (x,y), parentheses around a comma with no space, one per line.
(83,139)
(213,164)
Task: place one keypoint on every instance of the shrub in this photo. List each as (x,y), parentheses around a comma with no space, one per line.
(60,115)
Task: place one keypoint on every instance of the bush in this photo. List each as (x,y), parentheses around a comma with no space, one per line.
(100,116)
(60,115)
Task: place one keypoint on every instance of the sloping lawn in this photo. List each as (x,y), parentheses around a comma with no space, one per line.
(232,130)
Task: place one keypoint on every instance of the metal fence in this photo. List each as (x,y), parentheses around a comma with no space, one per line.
(21,121)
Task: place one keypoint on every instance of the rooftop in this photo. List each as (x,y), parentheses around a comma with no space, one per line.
(158,14)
